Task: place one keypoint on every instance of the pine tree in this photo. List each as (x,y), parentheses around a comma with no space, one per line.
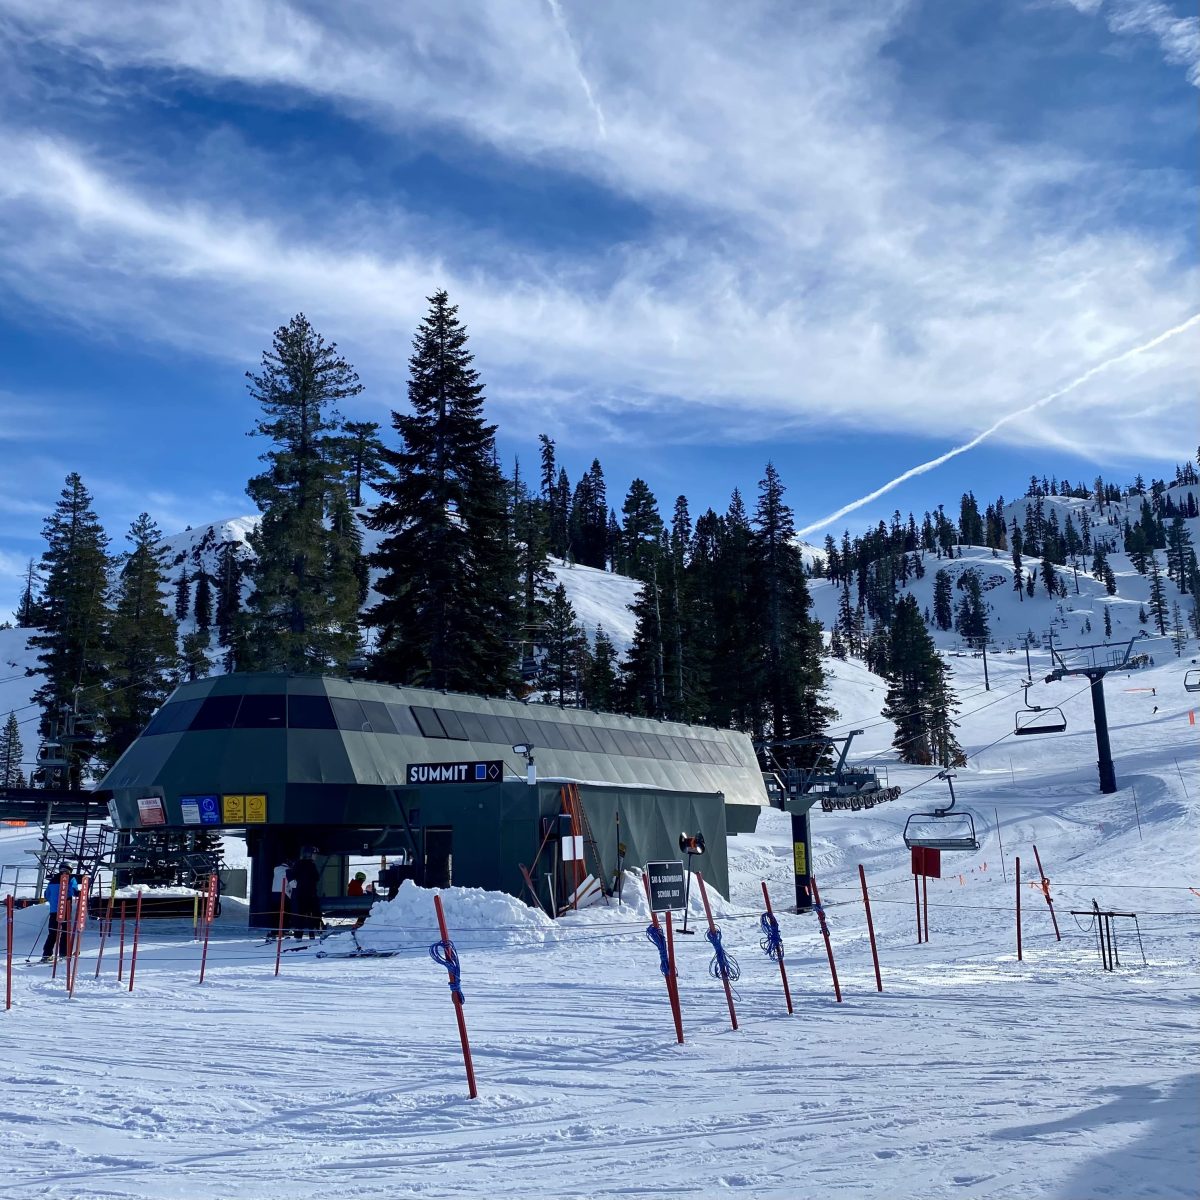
(644,670)
(303,611)
(641,532)
(448,616)
(75,613)
(183,595)
(1018,543)
(202,601)
(919,699)
(1107,622)
(141,644)
(230,569)
(1158,597)
(1179,636)
(193,655)
(29,609)
(601,681)
(943,605)
(361,452)
(11,754)
(561,675)
(1049,577)
(971,618)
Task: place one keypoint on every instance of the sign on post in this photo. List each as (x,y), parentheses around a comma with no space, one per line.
(489,771)
(666,881)
(927,862)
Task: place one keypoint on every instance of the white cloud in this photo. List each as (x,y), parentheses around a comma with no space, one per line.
(811,260)
(1178,37)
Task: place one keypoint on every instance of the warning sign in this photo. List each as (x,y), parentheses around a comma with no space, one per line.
(150,811)
(233,810)
(801,857)
(256,809)
(189,807)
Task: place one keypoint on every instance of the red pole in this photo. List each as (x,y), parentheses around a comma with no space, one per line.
(787,992)
(672,988)
(105,930)
(715,933)
(1018,910)
(1046,892)
(81,915)
(917,898)
(862,878)
(121,950)
(925,902)
(458,1004)
(210,906)
(837,989)
(673,981)
(137,928)
(8,923)
(279,931)
(62,914)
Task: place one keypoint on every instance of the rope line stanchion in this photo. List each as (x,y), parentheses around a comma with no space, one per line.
(666,960)
(443,952)
(723,966)
(80,927)
(279,928)
(925,902)
(210,907)
(772,943)
(1018,871)
(105,930)
(8,952)
(917,899)
(1046,891)
(820,911)
(862,877)
(62,913)
(137,929)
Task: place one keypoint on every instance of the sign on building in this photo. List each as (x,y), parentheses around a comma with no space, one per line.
(491,771)
(233,809)
(150,811)
(666,885)
(189,809)
(256,809)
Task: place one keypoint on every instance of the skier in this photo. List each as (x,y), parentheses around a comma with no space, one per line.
(281,890)
(306,898)
(58,932)
(355,887)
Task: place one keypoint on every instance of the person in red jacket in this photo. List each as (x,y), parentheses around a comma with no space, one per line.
(356,884)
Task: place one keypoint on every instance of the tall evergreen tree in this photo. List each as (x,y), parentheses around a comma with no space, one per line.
(303,611)
(362,457)
(29,608)
(75,613)
(202,601)
(230,569)
(183,594)
(971,619)
(641,532)
(11,754)
(601,680)
(943,600)
(562,667)
(141,643)
(919,699)
(448,616)
(1158,597)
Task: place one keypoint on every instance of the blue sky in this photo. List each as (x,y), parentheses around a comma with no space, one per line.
(686,237)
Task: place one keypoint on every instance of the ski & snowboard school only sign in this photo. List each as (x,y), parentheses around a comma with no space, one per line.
(666,885)
(491,771)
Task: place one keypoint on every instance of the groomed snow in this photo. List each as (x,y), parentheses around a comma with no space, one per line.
(972,1075)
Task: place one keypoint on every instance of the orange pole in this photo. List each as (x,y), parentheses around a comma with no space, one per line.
(105,930)
(837,988)
(279,931)
(62,914)
(862,877)
(121,949)
(458,1005)
(210,904)
(715,933)
(787,992)
(80,927)
(137,928)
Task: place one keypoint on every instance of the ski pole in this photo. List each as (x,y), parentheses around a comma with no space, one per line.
(41,930)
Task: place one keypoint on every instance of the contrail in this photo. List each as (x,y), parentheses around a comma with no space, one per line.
(561,21)
(1012,416)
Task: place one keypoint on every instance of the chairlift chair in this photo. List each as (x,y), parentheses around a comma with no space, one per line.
(1036,719)
(1191,681)
(942,829)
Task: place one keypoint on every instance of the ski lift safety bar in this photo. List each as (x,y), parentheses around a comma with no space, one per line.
(666,886)
(488,771)
(860,800)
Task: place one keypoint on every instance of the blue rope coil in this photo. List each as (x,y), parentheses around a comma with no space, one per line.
(723,966)
(445,955)
(655,935)
(772,939)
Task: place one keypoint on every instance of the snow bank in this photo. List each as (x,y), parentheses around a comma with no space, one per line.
(474,917)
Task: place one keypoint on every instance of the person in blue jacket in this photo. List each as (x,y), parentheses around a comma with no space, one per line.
(58,932)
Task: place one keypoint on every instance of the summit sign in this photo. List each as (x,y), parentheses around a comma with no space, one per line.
(491,771)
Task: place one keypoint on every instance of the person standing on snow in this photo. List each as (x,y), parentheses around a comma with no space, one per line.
(280,894)
(59,930)
(306,897)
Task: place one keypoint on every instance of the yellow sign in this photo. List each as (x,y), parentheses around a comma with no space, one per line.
(256,810)
(233,810)
(801,858)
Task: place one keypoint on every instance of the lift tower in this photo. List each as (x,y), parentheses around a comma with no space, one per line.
(1095,671)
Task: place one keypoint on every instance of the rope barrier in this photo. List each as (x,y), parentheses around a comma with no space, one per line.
(723,966)
(445,955)
(772,940)
(655,935)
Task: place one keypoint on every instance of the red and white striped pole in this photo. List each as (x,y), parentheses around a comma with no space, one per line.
(81,916)
(62,915)
(210,908)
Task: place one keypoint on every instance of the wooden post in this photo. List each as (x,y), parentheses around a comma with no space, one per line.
(787,992)
(1046,892)
(837,989)
(862,878)
(1019,910)
(458,1004)
(137,929)
(714,934)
